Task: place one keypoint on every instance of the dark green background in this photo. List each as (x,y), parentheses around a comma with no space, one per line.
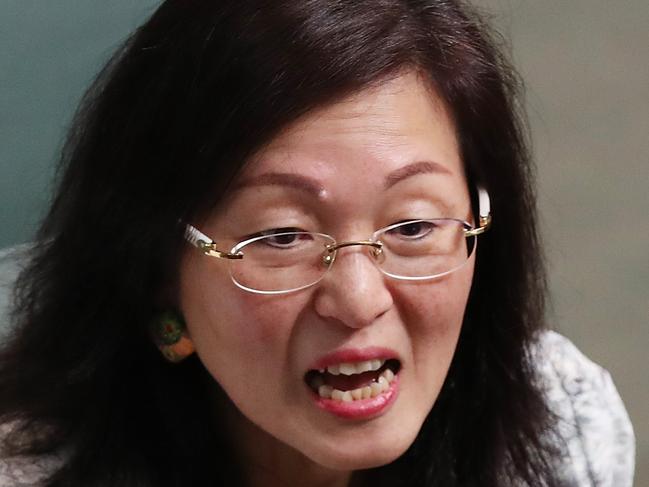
(50,50)
(585,64)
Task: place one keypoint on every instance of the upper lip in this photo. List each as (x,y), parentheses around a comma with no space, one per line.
(353,355)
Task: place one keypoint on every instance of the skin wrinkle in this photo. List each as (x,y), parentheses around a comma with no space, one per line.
(259,347)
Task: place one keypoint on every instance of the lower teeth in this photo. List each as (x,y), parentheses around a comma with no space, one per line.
(373,390)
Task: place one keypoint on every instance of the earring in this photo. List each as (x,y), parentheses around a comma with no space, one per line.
(170,336)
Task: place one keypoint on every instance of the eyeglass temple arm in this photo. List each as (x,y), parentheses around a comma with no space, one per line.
(206,244)
(484,208)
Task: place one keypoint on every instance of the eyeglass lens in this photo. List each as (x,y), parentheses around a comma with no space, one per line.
(418,249)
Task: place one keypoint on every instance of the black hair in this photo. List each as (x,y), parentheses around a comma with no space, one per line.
(158,138)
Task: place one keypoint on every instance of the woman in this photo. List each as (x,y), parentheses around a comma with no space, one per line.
(302,193)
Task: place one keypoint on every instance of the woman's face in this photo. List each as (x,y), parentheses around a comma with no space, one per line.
(384,155)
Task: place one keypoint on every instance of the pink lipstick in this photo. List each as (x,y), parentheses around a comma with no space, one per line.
(355,383)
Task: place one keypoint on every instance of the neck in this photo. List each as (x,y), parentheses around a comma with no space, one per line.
(295,476)
(271,463)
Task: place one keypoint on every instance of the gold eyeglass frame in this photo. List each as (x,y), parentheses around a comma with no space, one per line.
(209,246)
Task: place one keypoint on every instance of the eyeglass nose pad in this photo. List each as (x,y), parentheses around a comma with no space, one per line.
(328,258)
(378,254)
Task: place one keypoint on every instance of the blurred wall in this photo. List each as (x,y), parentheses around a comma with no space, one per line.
(586,68)
(50,51)
(587,74)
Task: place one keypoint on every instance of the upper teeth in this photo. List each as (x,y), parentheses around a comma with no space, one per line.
(346,368)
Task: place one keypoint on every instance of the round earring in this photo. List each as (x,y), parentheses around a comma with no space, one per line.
(170,336)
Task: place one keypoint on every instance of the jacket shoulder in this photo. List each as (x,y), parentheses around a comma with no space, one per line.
(593,425)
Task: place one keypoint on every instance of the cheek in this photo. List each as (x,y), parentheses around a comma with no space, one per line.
(212,304)
(239,336)
(433,313)
(438,306)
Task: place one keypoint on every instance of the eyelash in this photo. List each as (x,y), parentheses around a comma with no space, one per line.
(274,231)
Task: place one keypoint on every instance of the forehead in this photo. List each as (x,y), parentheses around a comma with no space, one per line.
(377,130)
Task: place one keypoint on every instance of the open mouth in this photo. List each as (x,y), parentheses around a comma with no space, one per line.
(348,382)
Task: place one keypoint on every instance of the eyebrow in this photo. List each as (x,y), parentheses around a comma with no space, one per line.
(291,180)
(414,169)
(311,186)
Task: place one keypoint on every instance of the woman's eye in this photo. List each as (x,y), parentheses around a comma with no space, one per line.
(413,230)
(282,240)
(284,237)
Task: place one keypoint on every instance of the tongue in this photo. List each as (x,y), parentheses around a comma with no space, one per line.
(350,382)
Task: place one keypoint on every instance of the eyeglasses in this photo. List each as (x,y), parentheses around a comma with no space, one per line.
(287,260)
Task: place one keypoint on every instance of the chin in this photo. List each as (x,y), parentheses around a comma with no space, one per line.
(357,454)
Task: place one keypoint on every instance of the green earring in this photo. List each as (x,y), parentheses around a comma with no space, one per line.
(170,336)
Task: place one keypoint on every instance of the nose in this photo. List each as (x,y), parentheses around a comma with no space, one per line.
(354,291)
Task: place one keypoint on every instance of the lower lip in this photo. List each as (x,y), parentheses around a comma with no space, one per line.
(362,408)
